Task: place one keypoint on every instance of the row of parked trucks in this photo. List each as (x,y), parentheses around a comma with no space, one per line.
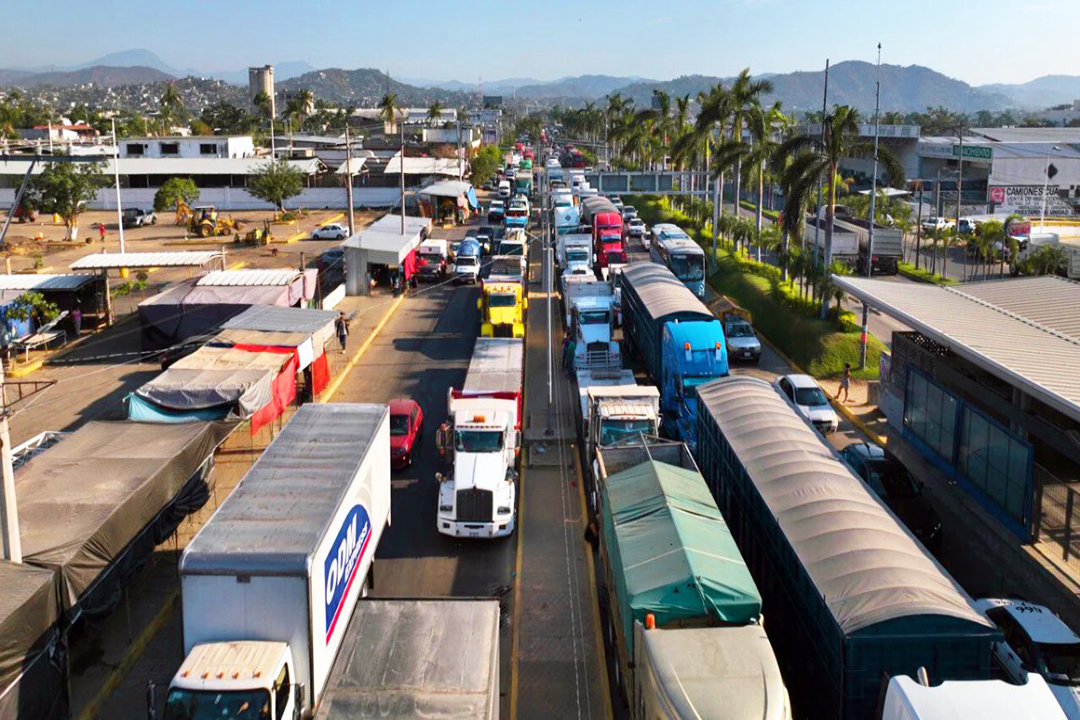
(276,622)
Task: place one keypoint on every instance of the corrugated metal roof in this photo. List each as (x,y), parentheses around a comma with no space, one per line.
(102,261)
(447,188)
(661,292)
(423,166)
(44,282)
(273,521)
(385,233)
(270,318)
(249,278)
(859,556)
(1033,356)
(1048,300)
(1015,134)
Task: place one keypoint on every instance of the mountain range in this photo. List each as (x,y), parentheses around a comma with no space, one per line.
(906,89)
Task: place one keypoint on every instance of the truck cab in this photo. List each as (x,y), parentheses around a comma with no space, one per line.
(247,679)
(477,499)
(433,256)
(517,215)
(692,354)
(502,309)
(592,328)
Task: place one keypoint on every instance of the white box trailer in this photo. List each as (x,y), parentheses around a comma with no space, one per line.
(270,582)
(405,658)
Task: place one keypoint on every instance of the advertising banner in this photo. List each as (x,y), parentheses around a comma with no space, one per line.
(1028,200)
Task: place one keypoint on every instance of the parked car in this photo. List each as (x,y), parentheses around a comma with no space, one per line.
(406,424)
(137,217)
(333,231)
(810,400)
(742,343)
(635,227)
(892,482)
(496,210)
(467,269)
(629,212)
(1037,641)
(938,224)
(504,189)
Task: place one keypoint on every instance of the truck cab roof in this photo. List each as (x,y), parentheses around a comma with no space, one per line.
(219,666)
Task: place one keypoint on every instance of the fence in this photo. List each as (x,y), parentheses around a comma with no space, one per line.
(240,199)
(1057,523)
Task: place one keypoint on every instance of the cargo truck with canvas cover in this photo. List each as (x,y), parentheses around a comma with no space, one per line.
(406,658)
(269,584)
(847,607)
(672,569)
(481,441)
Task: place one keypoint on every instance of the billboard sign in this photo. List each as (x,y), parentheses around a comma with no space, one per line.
(1028,199)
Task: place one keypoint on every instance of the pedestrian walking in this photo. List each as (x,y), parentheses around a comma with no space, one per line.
(342,327)
(845,383)
(76,320)
(101,231)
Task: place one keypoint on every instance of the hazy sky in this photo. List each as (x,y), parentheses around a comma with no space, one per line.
(978,42)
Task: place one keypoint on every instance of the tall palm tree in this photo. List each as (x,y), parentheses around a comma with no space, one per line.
(813,157)
(171,106)
(764,124)
(388,108)
(712,120)
(434,113)
(746,95)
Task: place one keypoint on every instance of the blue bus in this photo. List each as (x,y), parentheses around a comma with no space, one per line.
(673,248)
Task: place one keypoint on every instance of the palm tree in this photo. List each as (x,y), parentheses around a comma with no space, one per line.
(712,121)
(746,94)
(264,103)
(171,105)
(1048,259)
(434,113)
(388,109)
(764,126)
(813,157)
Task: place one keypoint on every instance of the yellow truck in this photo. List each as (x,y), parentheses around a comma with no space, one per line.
(502,309)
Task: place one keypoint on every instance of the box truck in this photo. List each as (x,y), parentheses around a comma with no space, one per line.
(270,582)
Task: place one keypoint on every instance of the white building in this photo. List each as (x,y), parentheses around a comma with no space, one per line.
(196,146)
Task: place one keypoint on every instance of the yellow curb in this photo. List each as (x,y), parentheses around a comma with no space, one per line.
(290,239)
(857,422)
(237,265)
(21,370)
(601,656)
(329,391)
(332,218)
(134,651)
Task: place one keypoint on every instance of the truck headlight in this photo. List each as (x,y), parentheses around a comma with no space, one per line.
(446,508)
(504,510)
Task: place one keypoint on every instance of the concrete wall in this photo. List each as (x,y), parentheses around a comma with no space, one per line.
(239,199)
(231,146)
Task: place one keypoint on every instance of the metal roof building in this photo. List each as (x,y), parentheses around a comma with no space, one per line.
(986,388)
(27,282)
(249,277)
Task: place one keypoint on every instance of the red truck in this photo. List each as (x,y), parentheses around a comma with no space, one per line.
(605,222)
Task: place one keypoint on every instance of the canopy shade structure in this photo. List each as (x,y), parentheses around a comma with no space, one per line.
(112,261)
(42,283)
(424,166)
(87,503)
(31,668)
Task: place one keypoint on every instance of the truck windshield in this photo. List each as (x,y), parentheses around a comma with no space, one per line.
(501,300)
(506,267)
(478,441)
(206,705)
(594,317)
(616,258)
(514,250)
(1060,662)
(577,256)
(612,431)
(688,267)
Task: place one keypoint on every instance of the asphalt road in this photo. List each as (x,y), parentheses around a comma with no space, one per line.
(421,352)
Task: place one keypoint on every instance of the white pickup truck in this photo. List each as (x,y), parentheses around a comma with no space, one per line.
(481,440)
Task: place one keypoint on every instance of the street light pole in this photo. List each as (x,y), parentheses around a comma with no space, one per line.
(1046,189)
(873,200)
(817,210)
(349,177)
(116,173)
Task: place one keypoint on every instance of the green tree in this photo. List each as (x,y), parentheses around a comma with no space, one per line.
(64,188)
(388,108)
(485,164)
(171,107)
(227,119)
(177,188)
(31,306)
(746,95)
(434,113)
(265,104)
(275,182)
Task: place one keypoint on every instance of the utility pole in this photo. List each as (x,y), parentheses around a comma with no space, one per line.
(1046,189)
(348,177)
(817,212)
(918,227)
(401,130)
(959,175)
(873,199)
(116,173)
(9,513)
(460,155)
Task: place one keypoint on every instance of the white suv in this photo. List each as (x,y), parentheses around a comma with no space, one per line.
(810,400)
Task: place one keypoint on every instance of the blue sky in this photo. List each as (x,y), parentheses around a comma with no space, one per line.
(978,42)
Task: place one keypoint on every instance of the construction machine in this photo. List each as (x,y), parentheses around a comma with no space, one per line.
(205,222)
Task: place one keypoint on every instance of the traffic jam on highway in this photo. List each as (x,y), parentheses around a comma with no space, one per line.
(744,566)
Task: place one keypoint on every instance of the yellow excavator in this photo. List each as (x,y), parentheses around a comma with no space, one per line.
(204,222)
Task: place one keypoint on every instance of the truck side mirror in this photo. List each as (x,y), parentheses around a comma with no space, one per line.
(440,439)
(151,700)
(479,304)
(298,701)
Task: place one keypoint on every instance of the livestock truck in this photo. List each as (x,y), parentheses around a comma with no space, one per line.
(269,584)
(606,225)
(411,658)
(685,615)
(481,441)
(681,342)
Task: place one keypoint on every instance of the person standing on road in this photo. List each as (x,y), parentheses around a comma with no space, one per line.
(101,231)
(845,383)
(342,327)
(76,320)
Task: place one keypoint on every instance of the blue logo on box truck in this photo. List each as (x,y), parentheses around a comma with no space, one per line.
(343,562)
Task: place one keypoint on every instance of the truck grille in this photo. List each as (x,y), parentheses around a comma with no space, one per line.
(474,506)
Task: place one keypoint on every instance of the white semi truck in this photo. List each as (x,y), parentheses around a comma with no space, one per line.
(269,584)
(481,441)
